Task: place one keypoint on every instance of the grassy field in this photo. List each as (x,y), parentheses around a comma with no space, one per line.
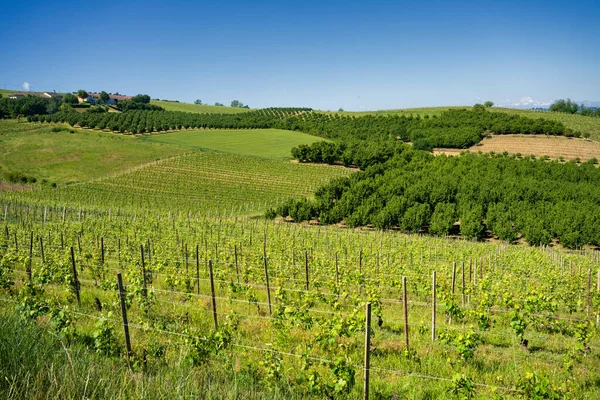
(198,108)
(268,143)
(63,157)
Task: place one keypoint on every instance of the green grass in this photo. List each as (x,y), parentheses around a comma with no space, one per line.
(198,108)
(34,150)
(268,143)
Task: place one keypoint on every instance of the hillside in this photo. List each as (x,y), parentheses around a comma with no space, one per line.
(267,143)
(198,108)
(537,145)
(579,123)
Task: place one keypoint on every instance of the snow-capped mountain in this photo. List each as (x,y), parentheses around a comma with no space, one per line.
(529,103)
(525,103)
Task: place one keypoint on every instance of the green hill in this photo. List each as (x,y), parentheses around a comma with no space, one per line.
(576,122)
(197,108)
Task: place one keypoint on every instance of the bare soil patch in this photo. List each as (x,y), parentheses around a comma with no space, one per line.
(537,145)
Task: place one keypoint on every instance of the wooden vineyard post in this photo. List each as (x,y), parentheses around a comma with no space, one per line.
(29,265)
(360,261)
(267,275)
(187,256)
(42,250)
(589,291)
(405,309)
(212,294)
(453,279)
(433,304)
(463,283)
(198,271)
(102,251)
(306,269)
(124,315)
(367,349)
(75,279)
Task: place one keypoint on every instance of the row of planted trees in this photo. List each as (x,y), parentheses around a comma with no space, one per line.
(471,194)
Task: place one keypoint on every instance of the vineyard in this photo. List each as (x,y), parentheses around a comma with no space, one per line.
(282,309)
(204,182)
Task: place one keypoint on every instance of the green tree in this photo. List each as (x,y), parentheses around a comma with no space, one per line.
(566,106)
(415,217)
(237,103)
(470,222)
(82,94)
(488,104)
(70,99)
(104,97)
(141,98)
(218,104)
(443,218)
(198,101)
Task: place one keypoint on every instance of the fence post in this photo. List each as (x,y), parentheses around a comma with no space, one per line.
(212,293)
(405,309)
(75,279)
(124,314)
(367,349)
(433,304)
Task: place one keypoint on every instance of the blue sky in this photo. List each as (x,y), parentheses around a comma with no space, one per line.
(325,55)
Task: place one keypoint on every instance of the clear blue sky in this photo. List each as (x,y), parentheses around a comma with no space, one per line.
(326,55)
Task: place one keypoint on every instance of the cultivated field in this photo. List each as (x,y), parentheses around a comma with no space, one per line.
(260,310)
(222,303)
(554,147)
(197,182)
(268,143)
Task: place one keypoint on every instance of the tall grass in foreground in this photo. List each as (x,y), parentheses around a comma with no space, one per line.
(34,364)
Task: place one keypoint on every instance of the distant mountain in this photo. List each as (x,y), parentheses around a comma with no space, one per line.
(524,103)
(527,103)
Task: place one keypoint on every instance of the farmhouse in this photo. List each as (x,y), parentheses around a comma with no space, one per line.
(17,95)
(52,95)
(90,99)
(112,98)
